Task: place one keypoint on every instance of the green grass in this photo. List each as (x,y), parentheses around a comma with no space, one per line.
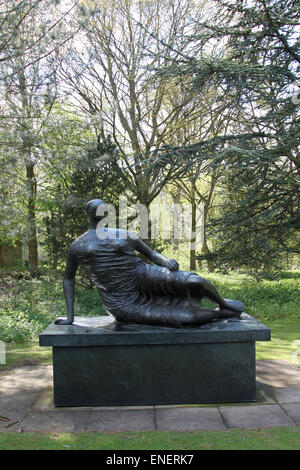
(267,439)
(264,300)
(284,333)
(28,353)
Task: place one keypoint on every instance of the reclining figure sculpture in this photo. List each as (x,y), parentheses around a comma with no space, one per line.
(136,292)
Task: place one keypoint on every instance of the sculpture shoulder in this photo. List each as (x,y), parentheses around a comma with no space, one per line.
(120,239)
(92,242)
(79,246)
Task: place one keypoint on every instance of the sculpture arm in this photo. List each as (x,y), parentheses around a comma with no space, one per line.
(69,291)
(155,257)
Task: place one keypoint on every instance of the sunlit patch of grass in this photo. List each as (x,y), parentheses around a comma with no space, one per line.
(29,353)
(265,300)
(283,334)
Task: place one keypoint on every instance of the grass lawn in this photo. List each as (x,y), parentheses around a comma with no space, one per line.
(284,333)
(264,439)
(25,354)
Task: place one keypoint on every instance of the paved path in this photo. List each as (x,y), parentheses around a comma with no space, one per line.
(26,404)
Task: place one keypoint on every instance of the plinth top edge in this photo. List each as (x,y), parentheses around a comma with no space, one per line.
(104,330)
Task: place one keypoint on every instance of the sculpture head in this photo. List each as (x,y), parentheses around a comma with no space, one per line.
(91,209)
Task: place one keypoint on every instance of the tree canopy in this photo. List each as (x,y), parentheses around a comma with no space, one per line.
(250,55)
(136,97)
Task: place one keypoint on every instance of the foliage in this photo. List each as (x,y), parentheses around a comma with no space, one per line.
(109,76)
(95,173)
(266,300)
(14,16)
(250,55)
(256,225)
(29,44)
(185,89)
(27,306)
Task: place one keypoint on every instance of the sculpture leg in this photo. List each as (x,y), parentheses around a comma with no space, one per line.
(202,288)
(201,317)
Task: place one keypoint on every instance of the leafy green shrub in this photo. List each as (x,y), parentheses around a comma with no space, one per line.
(16,328)
(28,306)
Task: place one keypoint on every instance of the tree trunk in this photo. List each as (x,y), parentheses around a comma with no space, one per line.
(1,257)
(31,208)
(205,249)
(175,200)
(193,228)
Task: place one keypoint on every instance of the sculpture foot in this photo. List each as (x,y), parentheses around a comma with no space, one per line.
(228,313)
(234,305)
(63,321)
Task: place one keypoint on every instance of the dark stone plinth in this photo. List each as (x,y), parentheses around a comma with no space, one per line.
(98,362)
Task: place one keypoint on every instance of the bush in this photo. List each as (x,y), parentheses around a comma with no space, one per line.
(17,328)
(28,306)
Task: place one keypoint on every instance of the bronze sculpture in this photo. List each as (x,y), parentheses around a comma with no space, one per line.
(136,292)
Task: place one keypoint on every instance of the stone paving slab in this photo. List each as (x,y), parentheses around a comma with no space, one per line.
(12,415)
(26,403)
(255,417)
(188,419)
(19,390)
(287,395)
(293,410)
(121,420)
(13,408)
(26,379)
(264,394)
(74,421)
(45,402)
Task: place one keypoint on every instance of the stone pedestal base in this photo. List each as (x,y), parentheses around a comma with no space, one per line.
(98,362)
